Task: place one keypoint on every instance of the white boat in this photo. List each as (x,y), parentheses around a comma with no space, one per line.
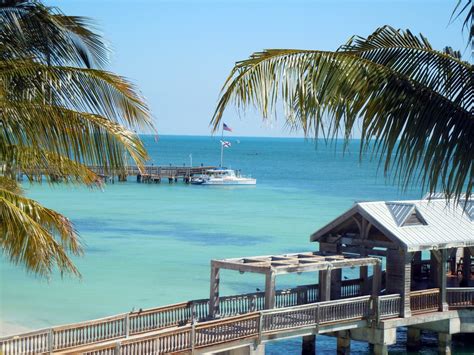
(222,177)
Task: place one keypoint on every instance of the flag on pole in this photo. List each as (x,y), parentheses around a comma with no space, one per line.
(226,144)
(226,128)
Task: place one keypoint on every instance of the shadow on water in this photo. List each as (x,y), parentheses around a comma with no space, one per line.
(112,229)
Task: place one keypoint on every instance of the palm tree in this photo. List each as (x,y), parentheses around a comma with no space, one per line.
(414,104)
(59,113)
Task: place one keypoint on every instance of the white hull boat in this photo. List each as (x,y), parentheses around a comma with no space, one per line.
(222,177)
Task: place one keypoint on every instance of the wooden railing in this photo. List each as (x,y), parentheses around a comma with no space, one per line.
(252,326)
(221,331)
(424,301)
(351,288)
(192,327)
(126,324)
(389,306)
(460,297)
(316,314)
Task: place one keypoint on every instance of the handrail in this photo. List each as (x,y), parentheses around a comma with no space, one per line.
(252,325)
(423,301)
(179,315)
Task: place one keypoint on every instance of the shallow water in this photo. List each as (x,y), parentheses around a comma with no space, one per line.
(149,245)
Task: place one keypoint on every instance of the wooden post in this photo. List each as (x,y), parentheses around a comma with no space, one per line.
(443,304)
(343,343)
(434,269)
(406,286)
(336,276)
(376,287)
(399,277)
(444,343)
(325,285)
(214,294)
(270,290)
(466,266)
(413,338)
(308,345)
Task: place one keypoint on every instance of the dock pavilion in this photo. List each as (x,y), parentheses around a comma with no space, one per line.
(414,263)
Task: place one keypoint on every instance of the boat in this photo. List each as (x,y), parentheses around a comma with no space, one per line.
(222,176)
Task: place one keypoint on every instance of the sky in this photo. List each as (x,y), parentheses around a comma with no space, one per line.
(180,52)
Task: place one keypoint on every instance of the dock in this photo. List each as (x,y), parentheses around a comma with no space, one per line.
(149,174)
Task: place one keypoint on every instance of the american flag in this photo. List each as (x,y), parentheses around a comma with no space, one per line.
(226,128)
(226,144)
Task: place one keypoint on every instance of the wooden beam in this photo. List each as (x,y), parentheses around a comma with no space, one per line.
(270,290)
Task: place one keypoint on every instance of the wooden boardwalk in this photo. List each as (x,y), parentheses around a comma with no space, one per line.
(187,327)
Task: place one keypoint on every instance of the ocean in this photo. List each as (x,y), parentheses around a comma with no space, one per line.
(151,244)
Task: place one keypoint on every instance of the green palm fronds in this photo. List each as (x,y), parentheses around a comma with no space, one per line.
(58,114)
(414,104)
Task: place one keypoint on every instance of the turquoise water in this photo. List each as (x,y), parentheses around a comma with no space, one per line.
(149,245)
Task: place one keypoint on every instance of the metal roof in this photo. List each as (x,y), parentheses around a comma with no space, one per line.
(442,224)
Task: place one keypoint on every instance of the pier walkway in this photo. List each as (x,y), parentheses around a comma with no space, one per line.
(246,321)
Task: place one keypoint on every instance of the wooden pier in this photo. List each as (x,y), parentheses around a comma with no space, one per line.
(243,322)
(149,174)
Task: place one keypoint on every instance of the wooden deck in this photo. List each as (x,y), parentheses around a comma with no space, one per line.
(187,327)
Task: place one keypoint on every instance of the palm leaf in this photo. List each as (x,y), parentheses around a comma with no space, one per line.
(36,237)
(31,29)
(414,103)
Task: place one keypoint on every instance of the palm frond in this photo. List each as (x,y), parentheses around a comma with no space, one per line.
(414,103)
(86,138)
(37,164)
(29,29)
(35,236)
(468,23)
(84,90)
(10,184)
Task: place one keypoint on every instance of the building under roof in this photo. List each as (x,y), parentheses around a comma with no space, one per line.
(412,225)
(399,231)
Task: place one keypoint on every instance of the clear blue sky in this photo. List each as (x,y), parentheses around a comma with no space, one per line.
(179,52)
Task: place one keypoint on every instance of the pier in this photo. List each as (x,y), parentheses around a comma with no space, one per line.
(405,277)
(148,174)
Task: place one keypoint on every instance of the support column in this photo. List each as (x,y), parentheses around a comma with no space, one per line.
(434,269)
(380,349)
(444,343)
(308,346)
(466,266)
(413,338)
(214,292)
(343,343)
(325,285)
(443,304)
(399,277)
(270,290)
(376,287)
(364,275)
(336,284)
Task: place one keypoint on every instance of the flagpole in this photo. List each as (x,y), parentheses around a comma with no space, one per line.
(222,147)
